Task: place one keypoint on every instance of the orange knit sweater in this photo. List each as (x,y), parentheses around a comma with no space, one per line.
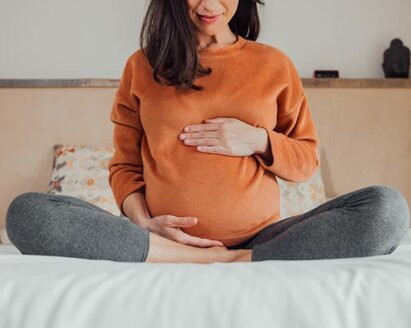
(233,197)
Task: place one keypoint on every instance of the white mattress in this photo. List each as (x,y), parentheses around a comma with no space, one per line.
(42,291)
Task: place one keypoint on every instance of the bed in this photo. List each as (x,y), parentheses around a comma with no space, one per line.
(48,291)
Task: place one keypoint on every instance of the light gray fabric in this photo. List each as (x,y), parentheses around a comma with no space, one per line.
(60,225)
(366,222)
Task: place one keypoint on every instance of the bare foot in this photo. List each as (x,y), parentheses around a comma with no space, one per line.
(243,255)
(165,250)
(233,255)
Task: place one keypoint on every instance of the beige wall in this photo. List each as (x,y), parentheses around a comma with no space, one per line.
(91,39)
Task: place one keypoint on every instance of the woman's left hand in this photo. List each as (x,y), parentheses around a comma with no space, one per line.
(226,136)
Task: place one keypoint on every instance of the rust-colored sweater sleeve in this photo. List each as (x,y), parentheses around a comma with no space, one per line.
(126,165)
(294,141)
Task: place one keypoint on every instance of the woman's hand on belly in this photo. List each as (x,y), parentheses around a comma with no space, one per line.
(168,226)
(225,136)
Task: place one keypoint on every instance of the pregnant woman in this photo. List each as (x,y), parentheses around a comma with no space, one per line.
(205,119)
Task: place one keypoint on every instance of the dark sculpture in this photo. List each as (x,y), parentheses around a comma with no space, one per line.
(397,60)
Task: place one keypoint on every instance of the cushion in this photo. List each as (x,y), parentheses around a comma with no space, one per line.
(82,171)
(300,197)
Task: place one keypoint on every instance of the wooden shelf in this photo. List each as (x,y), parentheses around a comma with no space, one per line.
(59,83)
(113,83)
(356,83)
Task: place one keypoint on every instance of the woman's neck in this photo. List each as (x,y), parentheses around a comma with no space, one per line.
(219,40)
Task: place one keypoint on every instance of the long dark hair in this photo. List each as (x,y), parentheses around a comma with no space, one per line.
(168,40)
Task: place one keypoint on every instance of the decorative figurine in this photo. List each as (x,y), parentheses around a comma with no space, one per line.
(396,60)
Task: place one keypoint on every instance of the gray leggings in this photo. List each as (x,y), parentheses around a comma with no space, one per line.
(365,222)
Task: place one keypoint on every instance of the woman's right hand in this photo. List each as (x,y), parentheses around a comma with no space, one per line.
(168,226)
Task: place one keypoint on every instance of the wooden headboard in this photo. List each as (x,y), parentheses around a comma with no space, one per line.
(364,130)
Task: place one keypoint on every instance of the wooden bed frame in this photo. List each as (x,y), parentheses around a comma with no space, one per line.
(364,130)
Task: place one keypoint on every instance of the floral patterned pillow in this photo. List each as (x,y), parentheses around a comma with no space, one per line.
(82,172)
(300,197)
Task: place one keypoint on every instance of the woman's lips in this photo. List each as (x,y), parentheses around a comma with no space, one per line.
(209,19)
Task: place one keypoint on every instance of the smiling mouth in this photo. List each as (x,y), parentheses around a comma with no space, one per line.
(205,16)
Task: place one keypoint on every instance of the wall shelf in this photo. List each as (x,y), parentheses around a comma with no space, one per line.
(356,83)
(113,83)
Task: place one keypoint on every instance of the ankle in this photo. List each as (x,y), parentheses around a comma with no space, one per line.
(242,255)
(222,254)
(233,255)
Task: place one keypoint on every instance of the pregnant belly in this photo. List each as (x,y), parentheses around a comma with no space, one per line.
(230,205)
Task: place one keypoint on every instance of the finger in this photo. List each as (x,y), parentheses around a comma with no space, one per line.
(201,127)
(200,242)
(217,119)
(211,138)
(180,221)
(212,149)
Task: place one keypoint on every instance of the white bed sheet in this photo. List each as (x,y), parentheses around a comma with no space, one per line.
(44,291)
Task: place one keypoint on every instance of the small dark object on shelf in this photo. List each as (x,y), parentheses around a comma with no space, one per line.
(326,74)
(396,60)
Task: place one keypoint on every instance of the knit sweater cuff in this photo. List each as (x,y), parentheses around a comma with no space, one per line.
(126,190)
